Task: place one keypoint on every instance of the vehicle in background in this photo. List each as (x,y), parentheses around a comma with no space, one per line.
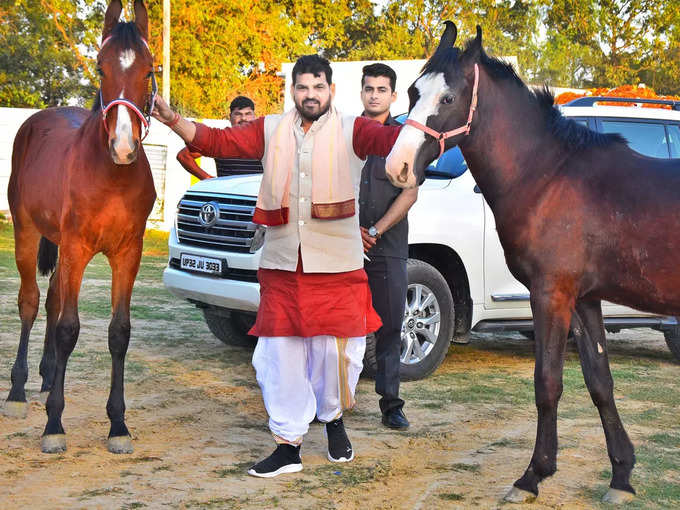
(458,279)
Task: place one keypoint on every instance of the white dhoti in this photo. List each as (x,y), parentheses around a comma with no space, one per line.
(302,377)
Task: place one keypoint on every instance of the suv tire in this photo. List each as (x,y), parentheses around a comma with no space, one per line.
(672,336)
(230,328)
(423,278)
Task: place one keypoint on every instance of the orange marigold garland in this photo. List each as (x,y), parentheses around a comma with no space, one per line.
(622,91)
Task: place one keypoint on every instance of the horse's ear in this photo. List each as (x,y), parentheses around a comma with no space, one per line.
(474,50)
(111,17)
(476,46)
(142,19)
(448,37)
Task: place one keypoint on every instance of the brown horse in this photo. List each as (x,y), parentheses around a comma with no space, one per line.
(80,185)
(582,218)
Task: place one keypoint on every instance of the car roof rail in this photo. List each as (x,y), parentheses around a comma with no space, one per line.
(591,100)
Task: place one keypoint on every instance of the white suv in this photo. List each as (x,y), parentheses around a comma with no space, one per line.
(458,279)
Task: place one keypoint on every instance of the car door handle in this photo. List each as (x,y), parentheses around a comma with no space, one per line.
(476,189)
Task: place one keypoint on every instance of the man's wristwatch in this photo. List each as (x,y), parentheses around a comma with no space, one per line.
(373,232)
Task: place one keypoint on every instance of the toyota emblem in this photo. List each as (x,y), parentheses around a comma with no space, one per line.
(209,214)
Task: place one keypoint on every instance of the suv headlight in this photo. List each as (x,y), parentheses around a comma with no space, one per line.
(258,238)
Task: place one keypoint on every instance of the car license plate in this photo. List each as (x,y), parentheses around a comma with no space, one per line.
(202,264)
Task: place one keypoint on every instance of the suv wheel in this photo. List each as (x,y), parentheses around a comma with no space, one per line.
(672,336)
(230,327)
(428,324)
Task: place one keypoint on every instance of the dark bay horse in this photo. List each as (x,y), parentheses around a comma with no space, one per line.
(581,217)
(80,185)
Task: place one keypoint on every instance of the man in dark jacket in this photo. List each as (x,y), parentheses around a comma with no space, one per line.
(384,230)
(241,111)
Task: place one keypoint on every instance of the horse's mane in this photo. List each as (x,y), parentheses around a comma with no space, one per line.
(97,105)
(441,61)
(127,35)
(572,134)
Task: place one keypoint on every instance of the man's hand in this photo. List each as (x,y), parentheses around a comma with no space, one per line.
(162,111)
(369,242)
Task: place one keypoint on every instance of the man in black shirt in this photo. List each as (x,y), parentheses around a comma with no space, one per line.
(384,230)
(241,111)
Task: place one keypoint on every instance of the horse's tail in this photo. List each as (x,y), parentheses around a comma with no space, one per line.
(47,256)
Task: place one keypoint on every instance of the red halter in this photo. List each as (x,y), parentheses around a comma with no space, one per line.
(441,136)
(129,104)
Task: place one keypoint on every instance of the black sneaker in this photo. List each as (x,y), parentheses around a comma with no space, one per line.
(395,419)
(285,459)
(339,447)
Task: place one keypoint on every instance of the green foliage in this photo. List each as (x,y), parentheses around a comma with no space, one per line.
(45,57)
(222,49)
(217,48)
(593,43)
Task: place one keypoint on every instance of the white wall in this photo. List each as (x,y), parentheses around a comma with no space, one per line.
(10,122)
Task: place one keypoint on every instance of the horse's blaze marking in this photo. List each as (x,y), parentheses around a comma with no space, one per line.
(600,350)
(123,122)
(127,58)
(430,87)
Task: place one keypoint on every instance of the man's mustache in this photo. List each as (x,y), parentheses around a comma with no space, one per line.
(310,102)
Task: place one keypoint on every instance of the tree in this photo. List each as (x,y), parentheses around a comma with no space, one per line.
(225,48)
(412,28)
(222,49)
(47,51)
(611,42)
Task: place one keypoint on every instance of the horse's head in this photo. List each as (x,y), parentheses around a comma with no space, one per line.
(128,86)
(442,103)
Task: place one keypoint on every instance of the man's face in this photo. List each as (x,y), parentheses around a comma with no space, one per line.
(312,95)
(241,116)
(377,95)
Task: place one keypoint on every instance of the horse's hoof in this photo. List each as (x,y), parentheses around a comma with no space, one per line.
(14,409)
(53,443)
(517,495)
(617,496)
(120,444)
(42,397)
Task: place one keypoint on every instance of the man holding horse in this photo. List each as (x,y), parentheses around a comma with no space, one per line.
(241,112)
(384,232)
(315,308)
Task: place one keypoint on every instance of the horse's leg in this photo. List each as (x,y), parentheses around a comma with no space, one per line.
(592,348)
(124,267)
(25,252)
(73,259)
(48,362)
(552,309)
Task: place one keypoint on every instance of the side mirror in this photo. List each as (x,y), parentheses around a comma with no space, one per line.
(449,166)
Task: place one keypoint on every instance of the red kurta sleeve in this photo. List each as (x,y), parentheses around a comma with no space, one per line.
(370,138)
(245,142)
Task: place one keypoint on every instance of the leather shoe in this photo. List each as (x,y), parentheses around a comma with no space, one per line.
(395,419)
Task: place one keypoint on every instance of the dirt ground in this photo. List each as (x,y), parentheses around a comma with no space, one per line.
(197,420)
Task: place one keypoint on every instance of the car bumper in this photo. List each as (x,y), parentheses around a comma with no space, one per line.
(230,294)
(225,292)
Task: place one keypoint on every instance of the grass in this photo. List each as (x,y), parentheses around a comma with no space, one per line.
(459,466)
(172,333)
(463,387)
(239,469)
(450,496)
(105,491)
